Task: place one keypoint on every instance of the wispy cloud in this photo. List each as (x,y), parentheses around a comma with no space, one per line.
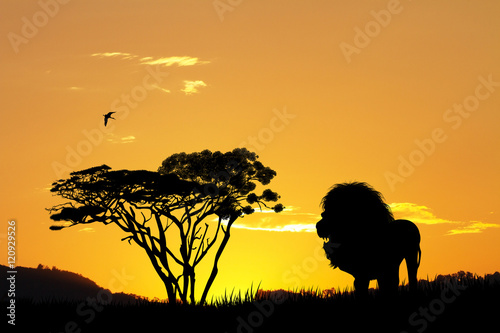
(416,213)
(161,89)
(127,139)
(121,55)
(191,87)
(289,220)
(124,139)
(75,88)
(87,229)
(170,61)
(47,188)
(423,215)
(473,227)
(280,228)
(180,61)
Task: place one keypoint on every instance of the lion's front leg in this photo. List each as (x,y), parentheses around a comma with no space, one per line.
(361,286)
(389,281)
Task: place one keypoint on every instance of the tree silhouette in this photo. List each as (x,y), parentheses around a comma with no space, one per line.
(168,210)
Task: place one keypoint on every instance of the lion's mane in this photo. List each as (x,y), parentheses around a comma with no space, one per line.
(357,204)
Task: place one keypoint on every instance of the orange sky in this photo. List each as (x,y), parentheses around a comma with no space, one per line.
(404,95)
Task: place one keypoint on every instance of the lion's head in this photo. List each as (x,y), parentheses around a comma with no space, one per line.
(352,210)
(353,216)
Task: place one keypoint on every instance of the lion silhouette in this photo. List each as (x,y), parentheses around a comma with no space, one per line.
(364,240)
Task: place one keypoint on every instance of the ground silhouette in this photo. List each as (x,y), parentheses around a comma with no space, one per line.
(474,309)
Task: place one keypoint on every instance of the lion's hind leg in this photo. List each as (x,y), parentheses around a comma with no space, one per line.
(412,262)
(410,249)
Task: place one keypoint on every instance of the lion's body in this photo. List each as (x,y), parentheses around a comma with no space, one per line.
(367,243)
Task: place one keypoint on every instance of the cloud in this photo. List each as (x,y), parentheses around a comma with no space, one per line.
(124,139)
(416,213)
(298,227)
(191,87)
(121,55)
(170,61)
(75,88)
(474,227)
(47,188)
(88,229)
(127,139)
(424,215)
(180,61)
(289,220)
(161,89)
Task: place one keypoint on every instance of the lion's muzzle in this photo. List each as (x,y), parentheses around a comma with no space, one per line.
(322,230)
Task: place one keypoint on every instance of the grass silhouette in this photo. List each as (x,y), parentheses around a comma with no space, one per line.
(460,302)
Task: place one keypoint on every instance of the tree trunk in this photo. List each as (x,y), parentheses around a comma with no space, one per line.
(171,294)
(169,285)
(215,270)
(192,280)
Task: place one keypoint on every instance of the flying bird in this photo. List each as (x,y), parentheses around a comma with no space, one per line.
(108,116)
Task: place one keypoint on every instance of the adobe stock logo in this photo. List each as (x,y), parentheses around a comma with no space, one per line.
(373,28)
(428,146)
(420,319)
(263,310)
(298,273)
(277,124)
(223,6)
(94,137)
(30,27)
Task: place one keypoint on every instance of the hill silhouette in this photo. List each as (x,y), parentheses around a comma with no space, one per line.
(44,284)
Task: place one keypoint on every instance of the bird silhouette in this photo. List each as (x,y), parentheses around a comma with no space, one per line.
(108,116)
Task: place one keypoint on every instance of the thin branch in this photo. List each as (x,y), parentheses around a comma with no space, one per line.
(202,245)
(129,238)
(163,241)
(209,244)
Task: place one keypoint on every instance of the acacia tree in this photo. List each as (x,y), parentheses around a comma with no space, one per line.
(168,210)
